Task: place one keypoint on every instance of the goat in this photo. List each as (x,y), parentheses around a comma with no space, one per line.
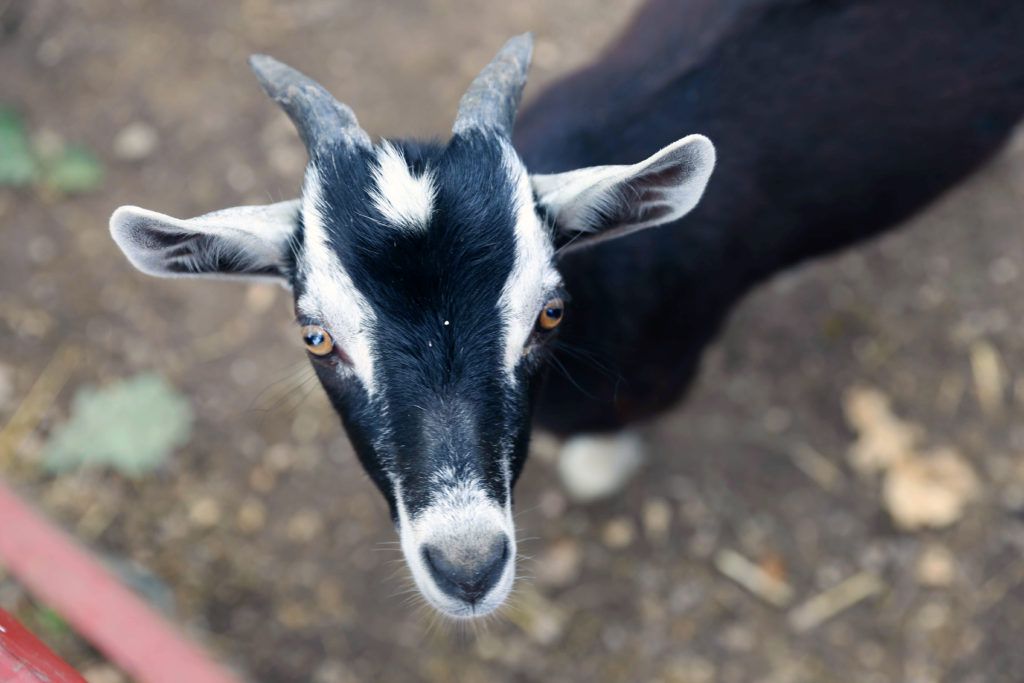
(431,280)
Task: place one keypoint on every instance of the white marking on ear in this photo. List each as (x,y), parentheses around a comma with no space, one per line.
(617,200)
(402,198)
(533,275)
(242,242)
(330,295)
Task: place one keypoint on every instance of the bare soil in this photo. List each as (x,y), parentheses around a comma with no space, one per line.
(265,540)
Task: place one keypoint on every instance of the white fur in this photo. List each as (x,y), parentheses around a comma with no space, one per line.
(578,198)
(257,236)
(403,199)
(330,295)
(596,466)
(460,520)
(533,275)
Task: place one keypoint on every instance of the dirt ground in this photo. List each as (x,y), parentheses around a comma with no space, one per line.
(264,539)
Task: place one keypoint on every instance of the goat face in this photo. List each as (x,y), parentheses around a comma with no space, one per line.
(427,290)
(428,266)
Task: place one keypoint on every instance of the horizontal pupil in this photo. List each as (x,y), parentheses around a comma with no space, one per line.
(314,339)
(554,312)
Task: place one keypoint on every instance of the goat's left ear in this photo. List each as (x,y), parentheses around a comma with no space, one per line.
(594,204)
(242,242)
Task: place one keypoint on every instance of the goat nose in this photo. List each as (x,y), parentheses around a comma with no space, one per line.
(464,575)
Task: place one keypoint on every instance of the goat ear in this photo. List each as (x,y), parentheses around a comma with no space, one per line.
(591,205)
(241,242)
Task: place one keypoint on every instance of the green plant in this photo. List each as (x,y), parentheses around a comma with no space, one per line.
(65,169)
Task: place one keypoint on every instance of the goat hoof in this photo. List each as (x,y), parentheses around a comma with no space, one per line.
(593,467)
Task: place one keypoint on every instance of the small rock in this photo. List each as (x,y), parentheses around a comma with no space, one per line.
(204,512)
(618,533)
(252,516)
(333,671)
(935,566)
(560,563)
(539,618)
(930,491)
(103,673)
(690,669)
(279,458)
(657,518)
(135,142)
(262,479)
(304,526)
(293,615)
(287,159)
(6,386)
(240,177)
(42,249)
(932,616)
(987,370)
(259,297)
(884,439)
(552,504)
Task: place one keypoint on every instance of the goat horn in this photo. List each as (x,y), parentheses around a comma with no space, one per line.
(322,121)
(493,96)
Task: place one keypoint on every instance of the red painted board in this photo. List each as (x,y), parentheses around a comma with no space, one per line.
(64,576)
(24,658)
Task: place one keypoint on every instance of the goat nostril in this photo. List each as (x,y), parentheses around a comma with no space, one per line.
(471,578)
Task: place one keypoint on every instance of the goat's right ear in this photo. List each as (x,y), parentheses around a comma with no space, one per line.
(242,242)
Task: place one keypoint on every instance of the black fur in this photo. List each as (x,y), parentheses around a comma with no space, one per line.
(443,401)
(833,121)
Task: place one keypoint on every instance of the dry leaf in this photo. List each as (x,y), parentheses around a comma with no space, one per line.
(884,439)
(919,489)
(929,491)
(988,377)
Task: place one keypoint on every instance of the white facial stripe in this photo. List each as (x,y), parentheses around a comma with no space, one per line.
(460,516)
(330,294)
(533,274)
(403,199)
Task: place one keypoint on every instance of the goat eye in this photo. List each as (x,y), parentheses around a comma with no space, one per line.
(551,315)
(318,341)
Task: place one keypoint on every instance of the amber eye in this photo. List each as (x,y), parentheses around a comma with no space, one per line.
(551,315)
(318,341)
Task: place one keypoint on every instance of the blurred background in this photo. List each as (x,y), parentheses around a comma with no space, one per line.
(841,498)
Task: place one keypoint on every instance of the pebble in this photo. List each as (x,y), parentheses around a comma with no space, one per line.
(262,479)
(552,504)
(204,512)
(293,615)
(690,669)
(136,141)
(618,533)
(932,616)
(42,249)
(279,458)
(657,519)
(252,516)
(6,386)
(259,298)
(103,673)
(333,671)
(304,526)
(930,491)
(240,177)
(559,565)
(935,566)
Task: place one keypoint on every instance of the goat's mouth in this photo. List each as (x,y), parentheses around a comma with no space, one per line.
(462,559)
(462,577)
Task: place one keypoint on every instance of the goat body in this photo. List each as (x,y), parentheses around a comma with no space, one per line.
(833,121)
